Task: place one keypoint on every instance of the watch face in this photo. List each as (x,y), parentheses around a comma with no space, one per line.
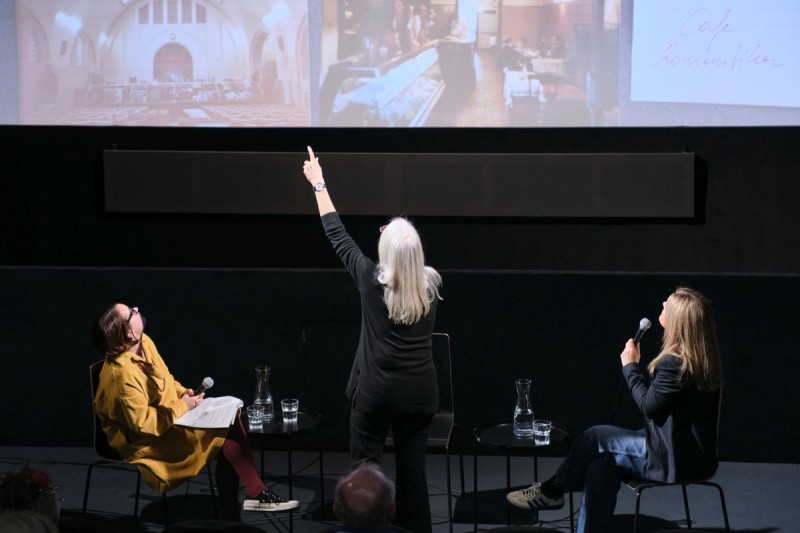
(319,186)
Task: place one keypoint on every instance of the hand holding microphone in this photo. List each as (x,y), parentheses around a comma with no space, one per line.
(193,397)
(631,353)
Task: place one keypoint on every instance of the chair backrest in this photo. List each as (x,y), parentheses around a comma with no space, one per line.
(444,372)
(716,440)
(100,439)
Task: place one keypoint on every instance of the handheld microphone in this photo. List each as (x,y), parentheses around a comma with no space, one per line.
(644,325)
(207,384)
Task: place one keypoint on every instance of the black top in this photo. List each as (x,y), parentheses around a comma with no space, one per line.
(393,370)
(681,423)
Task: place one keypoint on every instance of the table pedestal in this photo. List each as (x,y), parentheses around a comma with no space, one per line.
(501,436)
(277,428)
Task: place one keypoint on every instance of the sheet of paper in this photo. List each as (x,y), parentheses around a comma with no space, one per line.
(212,413)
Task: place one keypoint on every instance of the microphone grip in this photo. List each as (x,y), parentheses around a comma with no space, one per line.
(638,336)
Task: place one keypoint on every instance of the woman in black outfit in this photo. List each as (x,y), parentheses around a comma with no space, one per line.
(393,380)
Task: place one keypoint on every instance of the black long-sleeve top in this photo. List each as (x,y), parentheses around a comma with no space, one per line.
(393,369)
(681,422)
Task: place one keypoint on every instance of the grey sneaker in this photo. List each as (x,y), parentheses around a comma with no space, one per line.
(268,501)
(533,498)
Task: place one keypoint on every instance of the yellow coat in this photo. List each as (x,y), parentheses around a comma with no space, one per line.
(138,402)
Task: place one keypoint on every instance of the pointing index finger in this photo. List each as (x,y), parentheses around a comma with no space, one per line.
(310,153)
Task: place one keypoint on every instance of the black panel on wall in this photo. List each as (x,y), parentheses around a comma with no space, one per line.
(745,220)
(624,185)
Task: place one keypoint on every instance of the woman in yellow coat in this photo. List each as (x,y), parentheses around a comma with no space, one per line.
(138,401)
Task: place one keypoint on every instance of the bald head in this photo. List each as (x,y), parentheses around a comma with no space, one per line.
(364,499)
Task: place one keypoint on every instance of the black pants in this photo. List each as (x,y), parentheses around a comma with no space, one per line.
(410,431)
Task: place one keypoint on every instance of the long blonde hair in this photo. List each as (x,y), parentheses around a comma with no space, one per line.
(691,334)
(409,286)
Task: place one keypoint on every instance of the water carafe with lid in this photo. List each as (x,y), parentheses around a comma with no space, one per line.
(523,410)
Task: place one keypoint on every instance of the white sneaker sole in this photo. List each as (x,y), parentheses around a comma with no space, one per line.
(270,507)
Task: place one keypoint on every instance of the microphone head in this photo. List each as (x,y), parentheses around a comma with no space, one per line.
(644,325)
(208,383)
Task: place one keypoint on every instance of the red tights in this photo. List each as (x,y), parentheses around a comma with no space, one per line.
(235,463)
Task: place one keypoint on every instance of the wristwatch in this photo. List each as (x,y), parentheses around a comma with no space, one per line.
(319,186)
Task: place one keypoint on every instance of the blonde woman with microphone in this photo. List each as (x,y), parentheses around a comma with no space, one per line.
(678,396)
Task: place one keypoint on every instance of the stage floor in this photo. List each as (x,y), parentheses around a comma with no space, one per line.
(761,497)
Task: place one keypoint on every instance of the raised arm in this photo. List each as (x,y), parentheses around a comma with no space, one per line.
(313,173)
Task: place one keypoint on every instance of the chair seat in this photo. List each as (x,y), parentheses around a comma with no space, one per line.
(640,485)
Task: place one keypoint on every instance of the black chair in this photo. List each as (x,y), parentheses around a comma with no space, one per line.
(640,485)
(443,428)
(109,456)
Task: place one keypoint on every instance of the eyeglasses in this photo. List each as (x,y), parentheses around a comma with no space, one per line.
(134,312)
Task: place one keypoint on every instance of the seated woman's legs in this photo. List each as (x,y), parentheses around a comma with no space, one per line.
(621,447)
(599,496)
(235,463)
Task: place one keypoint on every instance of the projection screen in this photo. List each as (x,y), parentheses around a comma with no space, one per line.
(400,63)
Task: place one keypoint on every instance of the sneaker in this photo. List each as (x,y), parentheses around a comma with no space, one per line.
(268,501)
(533,498)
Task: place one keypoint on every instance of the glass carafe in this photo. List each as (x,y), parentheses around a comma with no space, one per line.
(523,411)
(263,394)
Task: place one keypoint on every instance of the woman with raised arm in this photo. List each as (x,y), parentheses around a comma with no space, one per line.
(393,379)
(679,399)
(138,401)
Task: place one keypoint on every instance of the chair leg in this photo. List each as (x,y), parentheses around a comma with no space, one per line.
(166,511)
(571,514)
(721,501)
(460,457)
(636,512)
(86,489)
(686,507)
(211,488)
(138,490)
(449,491)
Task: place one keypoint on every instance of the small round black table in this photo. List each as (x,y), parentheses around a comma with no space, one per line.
(277,428)
(501,436)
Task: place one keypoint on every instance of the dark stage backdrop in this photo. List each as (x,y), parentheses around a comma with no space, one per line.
(564,331)
(549,298)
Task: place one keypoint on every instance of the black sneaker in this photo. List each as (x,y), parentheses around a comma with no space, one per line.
(268,501)
(533,498)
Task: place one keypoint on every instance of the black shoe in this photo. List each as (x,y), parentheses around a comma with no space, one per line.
(268,501)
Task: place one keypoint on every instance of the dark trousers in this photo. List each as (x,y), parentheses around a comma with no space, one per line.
(410,431)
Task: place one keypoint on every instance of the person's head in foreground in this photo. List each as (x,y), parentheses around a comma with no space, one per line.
(364,499)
